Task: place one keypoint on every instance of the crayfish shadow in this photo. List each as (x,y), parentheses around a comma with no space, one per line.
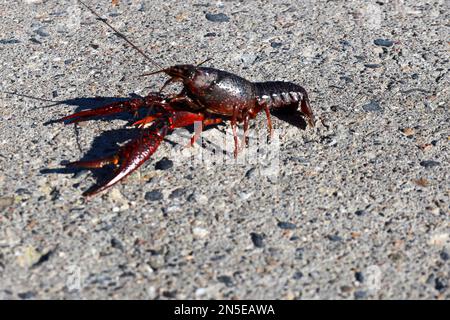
(87,103)
(295,119)
(107,143)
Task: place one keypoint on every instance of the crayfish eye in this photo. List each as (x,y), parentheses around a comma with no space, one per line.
(181,71)
(185,71)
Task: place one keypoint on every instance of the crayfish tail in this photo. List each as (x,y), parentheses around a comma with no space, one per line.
(287,96)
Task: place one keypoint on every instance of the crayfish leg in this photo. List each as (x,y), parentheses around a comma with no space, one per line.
(305,108)
(198,130)
(246,121)
(269,120)
(234,128)
(141,123)
(98,163)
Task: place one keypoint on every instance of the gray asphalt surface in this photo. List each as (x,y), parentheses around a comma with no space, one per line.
(355,208)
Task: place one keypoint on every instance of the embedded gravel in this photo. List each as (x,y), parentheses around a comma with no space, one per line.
(355,208)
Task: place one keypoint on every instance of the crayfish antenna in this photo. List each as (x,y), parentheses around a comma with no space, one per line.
(121,35)
(204,61)
(305,108)
(152,73)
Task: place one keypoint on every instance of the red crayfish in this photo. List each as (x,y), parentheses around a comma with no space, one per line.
(209,96)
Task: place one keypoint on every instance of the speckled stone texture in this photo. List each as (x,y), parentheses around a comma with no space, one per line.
(355,208)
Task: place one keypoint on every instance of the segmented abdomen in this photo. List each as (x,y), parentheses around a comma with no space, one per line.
(279,94)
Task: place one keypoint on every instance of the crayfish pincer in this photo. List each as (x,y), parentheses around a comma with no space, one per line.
(209,96)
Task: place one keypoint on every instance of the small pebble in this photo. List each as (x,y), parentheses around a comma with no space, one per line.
(114,14)
(444,255)
(116,244)
(26,295)
(151,292)
(286,225)
(156,261)
(257,239)
(200,292)
(298,275)
(440,284)
(200,232)
(334,237)
(346,289)
(200,198)
(429,163)
(210,34)
(248,58)
(299,253)
(251,173)
(171,209)
(430,279)
(360,294)
(346,79)
(225,280)
(153,195)
(42,32)
(55,194)
(345,43)
(359,276)
(276,44)
(372,106)
(245,195)
(177,193)
(360,213)
(6,202)
(439,239)
(372,65)
(218,17)
(334,108)
(9,41)
(44,258)
(383,42)
(23,191)
(170,294)
(35,41)
(164,164)
(408,132)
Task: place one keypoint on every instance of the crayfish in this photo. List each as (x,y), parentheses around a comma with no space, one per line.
(208,96)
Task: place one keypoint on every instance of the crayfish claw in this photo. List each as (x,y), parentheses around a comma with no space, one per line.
(131,106)
(130,157)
